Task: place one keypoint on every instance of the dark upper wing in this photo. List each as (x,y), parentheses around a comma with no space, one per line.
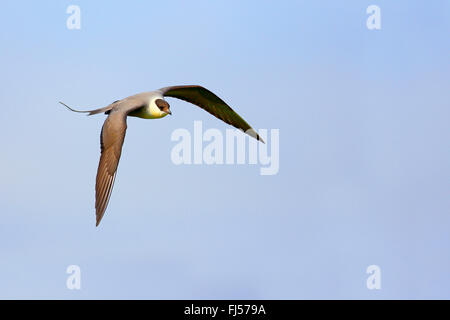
(111,141)
(208,101)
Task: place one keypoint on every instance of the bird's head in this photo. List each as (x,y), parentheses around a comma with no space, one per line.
(163,106)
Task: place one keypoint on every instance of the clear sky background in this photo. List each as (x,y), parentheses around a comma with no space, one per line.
(364,151)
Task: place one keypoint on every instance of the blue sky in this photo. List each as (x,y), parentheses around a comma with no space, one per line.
(364,151)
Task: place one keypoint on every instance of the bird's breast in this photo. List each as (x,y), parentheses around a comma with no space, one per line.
(148,112)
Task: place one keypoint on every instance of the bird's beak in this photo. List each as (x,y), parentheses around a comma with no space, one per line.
(169,112)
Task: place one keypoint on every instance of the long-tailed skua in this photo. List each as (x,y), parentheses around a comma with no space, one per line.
(148,105)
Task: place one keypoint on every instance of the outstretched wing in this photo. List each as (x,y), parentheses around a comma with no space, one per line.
(111,141)
(208,101)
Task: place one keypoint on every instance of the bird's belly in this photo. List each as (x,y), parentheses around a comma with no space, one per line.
(145,113)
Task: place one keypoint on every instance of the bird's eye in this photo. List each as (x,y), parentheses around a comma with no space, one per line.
(162,104)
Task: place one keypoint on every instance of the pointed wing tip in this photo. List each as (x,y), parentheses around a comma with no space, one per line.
(261,139)
(252,133)
(97,222)
(98,216)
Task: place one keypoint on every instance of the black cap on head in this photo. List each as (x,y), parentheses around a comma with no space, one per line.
(163,105)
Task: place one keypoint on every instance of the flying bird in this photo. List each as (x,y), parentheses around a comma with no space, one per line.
(148,105)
